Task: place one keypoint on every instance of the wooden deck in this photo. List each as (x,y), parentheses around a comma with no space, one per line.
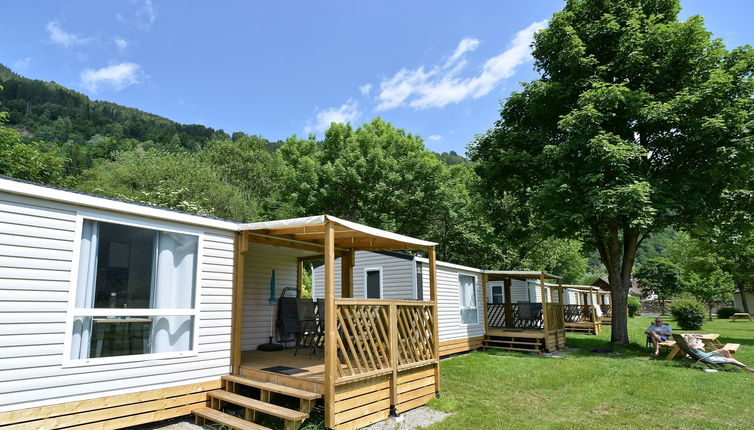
(312,379)
(524,340)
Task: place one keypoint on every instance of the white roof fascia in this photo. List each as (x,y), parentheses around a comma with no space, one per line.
(74,198)
(450,265)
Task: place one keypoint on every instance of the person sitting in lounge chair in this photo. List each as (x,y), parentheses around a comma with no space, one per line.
(719,356)
(658,332)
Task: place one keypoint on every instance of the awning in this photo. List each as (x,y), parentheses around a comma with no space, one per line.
(497,275)
(348,235)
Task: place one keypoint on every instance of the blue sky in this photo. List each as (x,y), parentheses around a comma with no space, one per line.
(436,69)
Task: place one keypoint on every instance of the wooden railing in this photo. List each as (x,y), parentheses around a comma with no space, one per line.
(606,311)
(577,313)
(496,317)
(379,336)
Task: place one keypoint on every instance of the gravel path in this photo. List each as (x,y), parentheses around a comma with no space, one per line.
(413,419)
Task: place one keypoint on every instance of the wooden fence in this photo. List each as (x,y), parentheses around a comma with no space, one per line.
(577,313)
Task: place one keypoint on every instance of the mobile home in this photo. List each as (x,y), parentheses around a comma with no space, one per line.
(115,314)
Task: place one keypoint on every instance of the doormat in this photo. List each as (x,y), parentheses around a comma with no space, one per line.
(285,370)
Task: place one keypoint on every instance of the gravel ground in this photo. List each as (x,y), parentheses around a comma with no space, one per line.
(413,419)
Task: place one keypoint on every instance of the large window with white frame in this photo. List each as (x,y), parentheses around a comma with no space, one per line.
(467,299)
(135,292)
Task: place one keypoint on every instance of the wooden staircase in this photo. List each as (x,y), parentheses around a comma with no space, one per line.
(513,343)
(229,395)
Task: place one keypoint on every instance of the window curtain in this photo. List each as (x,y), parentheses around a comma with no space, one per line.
(176,269)
(87,279)
(468,300)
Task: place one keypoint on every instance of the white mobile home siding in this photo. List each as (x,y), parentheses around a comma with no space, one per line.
(521,291)
(398,276)
(448,302)
(258,314)
(37,239)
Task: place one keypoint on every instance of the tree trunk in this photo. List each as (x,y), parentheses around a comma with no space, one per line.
(617,247)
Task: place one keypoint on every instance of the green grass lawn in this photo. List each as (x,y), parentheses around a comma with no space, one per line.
(629,389)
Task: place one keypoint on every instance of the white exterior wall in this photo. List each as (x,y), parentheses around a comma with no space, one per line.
(37,239)
(398,276)
(738,304)
(258,315)
(521,291)
(448,306)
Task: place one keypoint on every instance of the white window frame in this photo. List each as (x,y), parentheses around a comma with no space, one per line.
(476,300)
(373,269)
(73,312)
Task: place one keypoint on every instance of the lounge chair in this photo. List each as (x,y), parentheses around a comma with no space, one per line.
(287,324)
(710,362)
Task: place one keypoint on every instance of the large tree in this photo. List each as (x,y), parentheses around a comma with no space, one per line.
(637,122)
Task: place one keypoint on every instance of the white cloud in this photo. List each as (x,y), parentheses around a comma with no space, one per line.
(365,89)
(347,112)
(424,88)
(61,37)
(115,77)
(467,44)
(121,43)
(144,16)
(434,137)
(21,65)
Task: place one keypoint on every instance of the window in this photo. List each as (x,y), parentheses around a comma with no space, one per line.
(373,283)
(135,292)
(419,282)
(497,294)
(467,299)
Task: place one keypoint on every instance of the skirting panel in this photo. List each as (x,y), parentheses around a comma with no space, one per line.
(416,387)
(112,412)
(456,346)
(361,403)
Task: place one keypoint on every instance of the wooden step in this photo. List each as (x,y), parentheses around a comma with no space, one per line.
(225,419)
(504,348)
(273,387)
(259,406)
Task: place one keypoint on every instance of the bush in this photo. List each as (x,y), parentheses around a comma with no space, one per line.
(726,312)
(688,313)
(633,306)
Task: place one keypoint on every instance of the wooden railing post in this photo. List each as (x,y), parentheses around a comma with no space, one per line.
(242,246)
(433,297)
(508,305)
(544,304)
(394,355)
(330,326)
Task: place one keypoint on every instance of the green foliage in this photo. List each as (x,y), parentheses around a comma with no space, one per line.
(169,180)
(660,276)
(606,144)
(689,314)
(711,287)
(726,312)
(29,161)
(634,305)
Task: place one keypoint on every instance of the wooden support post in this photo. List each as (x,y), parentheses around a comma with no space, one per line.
(484,300)
(299,277)
(433,297)
(508,304)
(393,334)
(330,326)
(544,306)
(346,274)
(241,246)
(562,311)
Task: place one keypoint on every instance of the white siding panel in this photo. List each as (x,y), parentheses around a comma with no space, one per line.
(397,276)
(449,310)
(258,315)
(36,254)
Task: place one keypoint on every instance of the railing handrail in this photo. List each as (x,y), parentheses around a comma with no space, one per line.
(383,302)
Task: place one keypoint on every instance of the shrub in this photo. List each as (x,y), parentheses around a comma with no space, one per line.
(688,313)
(726,312)
(633,306)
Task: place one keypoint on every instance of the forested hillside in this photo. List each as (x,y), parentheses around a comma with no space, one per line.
(375,174)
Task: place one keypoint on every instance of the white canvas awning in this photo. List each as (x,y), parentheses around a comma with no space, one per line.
(349,235)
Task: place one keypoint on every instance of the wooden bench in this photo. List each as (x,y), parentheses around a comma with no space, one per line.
(732,347)
(669,344)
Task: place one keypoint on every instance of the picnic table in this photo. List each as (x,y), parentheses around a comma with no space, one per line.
(741,315)
(710,340)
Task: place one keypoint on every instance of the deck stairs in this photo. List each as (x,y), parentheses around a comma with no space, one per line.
(292,419)
(513,343)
